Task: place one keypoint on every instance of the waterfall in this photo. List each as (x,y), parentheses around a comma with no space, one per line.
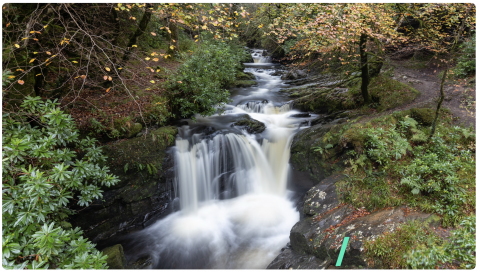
(258,56)
(235,209)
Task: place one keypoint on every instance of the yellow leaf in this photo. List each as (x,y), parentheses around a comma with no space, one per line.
(35,39)
(134,45)
(169,31)
(196,36)
(35,53)
(32,60)
(31,32)
(120,68)
(152,81)
(133,18)
(173,40)
(171,47)
(260,26)
(21,82)
(108,89)
(155,59)
(108,69)
(48,53)
(153,54)
(45,26)
(75,61)
(37,74)
(196,40)
(11,77)
(109,78)
(119,4)
(158,70)
(17,46)
(20,70)
(147,58)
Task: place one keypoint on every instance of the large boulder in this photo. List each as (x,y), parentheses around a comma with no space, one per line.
(316,240)
(144,192)
(294,74)
(116,257)
(251,125)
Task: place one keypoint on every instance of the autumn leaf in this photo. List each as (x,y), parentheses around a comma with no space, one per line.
(32,60)
(179,82)
(17,46)
(155,59)
(109,78)
(105,77)
(8,24)
(134,45)
(20,70)
(260,26)
(48,53)
(11,77)
(74,61)
(152,81)
(151,70)
(173,40)
(37,74)
(158,70)
(83,76)
(171,47)
(108,89)
(147,58)
(108,69)
(35,53)
(21,82)
(153,33)
(153,54)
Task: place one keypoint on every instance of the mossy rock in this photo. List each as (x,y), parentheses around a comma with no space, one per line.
(116,257)
(322,100)
(243,83)
(251,125)
(127,127)
(423,116)
(245,76)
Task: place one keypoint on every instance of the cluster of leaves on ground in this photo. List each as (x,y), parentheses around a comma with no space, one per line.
(46,166)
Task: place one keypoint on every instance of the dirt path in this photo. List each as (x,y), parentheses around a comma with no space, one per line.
(459,96)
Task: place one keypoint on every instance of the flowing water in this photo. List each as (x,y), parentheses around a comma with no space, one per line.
(235,208)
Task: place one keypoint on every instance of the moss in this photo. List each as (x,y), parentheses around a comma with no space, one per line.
(243,83)
(424,116)
(391,93)
(245,76)
(116,257)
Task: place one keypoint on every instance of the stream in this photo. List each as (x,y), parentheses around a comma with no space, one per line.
(233,193)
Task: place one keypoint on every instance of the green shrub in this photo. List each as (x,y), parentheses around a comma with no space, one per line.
(197,87)
(466,63)
(41,172)
(460,247)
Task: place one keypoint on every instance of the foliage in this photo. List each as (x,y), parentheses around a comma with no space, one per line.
(45,164)
(393,164)
(389,249)
(460,247)
(197,87)
(466,64)
(7,77)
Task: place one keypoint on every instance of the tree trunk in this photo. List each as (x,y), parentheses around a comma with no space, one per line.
(364,64)
(141,28)
(442,96)
(172,26)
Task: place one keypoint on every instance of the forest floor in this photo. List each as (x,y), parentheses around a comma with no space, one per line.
(426,78)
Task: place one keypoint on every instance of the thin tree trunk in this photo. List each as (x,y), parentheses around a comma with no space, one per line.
(364,64)
(172,26)
(442,96)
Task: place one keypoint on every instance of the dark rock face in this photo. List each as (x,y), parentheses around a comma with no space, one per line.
(316,240)
(141,195)
(251,125)
(300,115)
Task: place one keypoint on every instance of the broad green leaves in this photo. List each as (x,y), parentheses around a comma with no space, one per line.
(40,176)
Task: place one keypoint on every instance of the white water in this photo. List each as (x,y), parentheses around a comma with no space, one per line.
(235,206)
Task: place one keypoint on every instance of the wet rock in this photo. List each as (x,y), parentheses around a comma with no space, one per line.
(294,74)
(251,125)
(300,115)
(116,257)
(245,76)
(319,236)
(139,195)
(141,263)
(243,83)
(290,259)
(277,73)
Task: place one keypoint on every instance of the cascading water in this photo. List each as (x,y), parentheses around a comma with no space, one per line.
(259,56)
(235,209)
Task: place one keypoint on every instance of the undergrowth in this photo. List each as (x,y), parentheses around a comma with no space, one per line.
(392,162)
